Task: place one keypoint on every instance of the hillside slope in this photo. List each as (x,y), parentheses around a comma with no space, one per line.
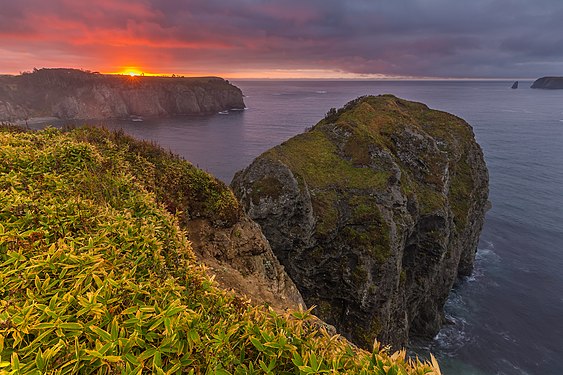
(222,236)
(97,277)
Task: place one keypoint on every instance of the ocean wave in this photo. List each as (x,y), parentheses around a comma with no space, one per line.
(517,370)
(452,338)
(486,255)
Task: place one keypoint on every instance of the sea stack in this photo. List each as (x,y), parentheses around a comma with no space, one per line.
(374,213)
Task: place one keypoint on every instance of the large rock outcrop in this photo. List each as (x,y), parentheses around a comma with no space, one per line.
(374,213)
(75,94)
(552,83)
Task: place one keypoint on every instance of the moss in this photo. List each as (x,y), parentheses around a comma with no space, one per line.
(364,209)
(429,200)
(460,192)
(359,276)
(372,239)
(316,159)
(357,148)
(268,187)
(367,336)
(375,234)
(324,206)
(323,310)
(403,277)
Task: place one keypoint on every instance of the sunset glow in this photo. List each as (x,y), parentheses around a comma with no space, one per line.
(133,72)
(291,39)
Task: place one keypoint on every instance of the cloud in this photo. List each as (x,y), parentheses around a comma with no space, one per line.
(432,38)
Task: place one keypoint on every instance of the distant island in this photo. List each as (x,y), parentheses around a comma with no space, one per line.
(551,83)
(78,94)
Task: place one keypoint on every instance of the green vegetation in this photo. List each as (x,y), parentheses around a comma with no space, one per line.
(181,187)
(330,161)
(266,187)
(317,160)
(96,275)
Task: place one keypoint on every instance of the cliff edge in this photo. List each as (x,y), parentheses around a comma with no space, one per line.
(76,94)
(374,213)
(551,83)
(222,236)
(97,277)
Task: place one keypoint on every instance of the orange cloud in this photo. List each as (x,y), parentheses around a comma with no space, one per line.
(239,37)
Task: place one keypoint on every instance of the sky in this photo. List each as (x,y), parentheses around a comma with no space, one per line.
(287,38)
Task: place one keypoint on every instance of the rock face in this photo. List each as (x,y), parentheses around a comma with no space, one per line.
(548,83)
(241,259)
(75,94)
(374,213)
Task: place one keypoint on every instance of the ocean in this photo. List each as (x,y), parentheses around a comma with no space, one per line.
(507,318)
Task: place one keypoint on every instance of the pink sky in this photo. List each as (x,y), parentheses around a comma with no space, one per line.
(285,39)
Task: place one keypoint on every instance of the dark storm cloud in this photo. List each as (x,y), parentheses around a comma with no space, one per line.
(439,38)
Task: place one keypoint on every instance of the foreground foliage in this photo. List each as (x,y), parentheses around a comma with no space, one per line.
(97,277)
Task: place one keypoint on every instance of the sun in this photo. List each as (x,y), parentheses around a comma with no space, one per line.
(131,72)
(135,71)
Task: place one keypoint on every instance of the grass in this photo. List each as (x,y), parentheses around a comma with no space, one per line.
(96,275)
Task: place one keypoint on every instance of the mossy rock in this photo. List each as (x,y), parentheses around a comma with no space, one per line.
(373,178)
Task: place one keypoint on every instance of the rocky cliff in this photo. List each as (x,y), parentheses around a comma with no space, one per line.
(75,94)
(374,213)
(548,83)
(221,234)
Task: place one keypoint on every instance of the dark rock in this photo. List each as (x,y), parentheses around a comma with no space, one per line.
(75,94)
(374,213)
(551,83)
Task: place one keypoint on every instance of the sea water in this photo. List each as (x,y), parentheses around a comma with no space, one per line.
(507,318)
